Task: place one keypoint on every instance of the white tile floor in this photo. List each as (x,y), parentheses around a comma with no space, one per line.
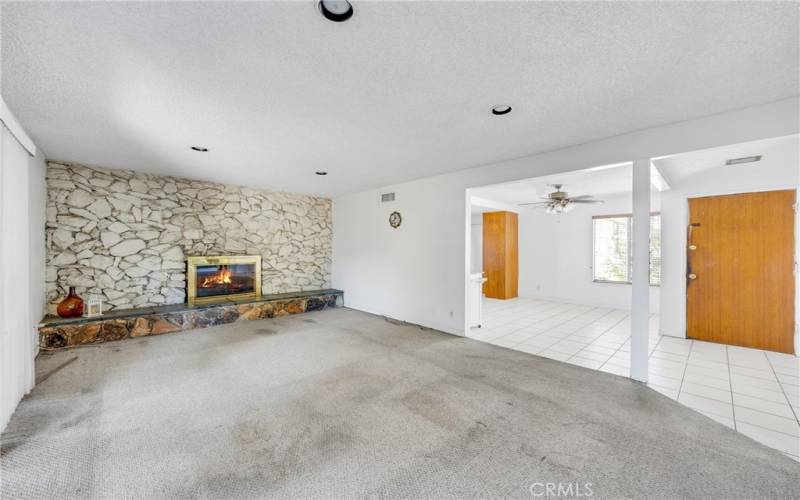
(753,391)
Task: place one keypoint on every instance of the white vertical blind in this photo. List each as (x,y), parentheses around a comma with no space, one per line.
(17,339)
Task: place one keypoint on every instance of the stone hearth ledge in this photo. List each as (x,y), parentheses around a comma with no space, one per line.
(57,333)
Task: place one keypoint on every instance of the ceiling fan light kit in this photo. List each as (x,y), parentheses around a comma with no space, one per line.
(559,202)
(559,207)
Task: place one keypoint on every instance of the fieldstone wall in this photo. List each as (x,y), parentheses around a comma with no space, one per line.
(125,235)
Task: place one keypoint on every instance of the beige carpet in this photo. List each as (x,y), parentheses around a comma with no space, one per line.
(342,404)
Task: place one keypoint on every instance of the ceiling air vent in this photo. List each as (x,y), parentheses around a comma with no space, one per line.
(746,159)
(387,197)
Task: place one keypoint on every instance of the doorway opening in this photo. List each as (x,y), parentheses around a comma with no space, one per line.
(551,265)
(572,266)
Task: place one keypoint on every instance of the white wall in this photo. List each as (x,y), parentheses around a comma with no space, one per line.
(418,272)
(37,206)
(21,262)
(413,273)
(777,170)
(476,238)
(555,255)
(539,243)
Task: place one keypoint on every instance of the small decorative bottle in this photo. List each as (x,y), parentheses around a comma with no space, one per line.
(94,307)
(72,306)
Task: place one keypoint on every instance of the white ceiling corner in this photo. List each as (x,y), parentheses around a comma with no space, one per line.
(8,119)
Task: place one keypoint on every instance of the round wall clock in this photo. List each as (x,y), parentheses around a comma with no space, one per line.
(395,219)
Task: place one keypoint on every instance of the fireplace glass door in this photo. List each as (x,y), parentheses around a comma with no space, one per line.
(212,279)
(225,279)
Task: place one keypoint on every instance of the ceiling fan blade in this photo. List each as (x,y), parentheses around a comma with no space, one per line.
(585,201)
(535,203)
(581,197)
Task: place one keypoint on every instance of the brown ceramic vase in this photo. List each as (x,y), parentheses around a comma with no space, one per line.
(72,306)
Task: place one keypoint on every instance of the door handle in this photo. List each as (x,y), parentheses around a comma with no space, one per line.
(692,247)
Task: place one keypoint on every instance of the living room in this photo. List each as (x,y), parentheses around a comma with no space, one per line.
(236,249)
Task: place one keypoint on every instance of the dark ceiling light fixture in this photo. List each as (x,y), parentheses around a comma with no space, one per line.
(321,173)
(336,10)
(501,109)
(746,159)
(200,149)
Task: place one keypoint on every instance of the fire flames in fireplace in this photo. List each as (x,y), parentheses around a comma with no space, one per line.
(217,277)
(221,277)
(225,279)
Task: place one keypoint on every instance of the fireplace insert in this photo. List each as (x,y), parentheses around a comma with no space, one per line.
(224,277)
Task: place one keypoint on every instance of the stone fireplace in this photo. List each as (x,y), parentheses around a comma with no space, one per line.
(222,278)
(125,236)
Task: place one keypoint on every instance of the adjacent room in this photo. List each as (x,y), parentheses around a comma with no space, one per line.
(570,273)
(572,260)
(419,250)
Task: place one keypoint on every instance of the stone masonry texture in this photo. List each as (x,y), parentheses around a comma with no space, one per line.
(125,235)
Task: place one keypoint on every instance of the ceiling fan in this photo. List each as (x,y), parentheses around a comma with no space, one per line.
(559,201)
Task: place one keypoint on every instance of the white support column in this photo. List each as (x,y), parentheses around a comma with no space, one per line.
(640,295)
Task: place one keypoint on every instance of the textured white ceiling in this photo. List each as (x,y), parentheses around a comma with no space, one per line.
(599,183)
(401,91)
(681,170)
(780,155)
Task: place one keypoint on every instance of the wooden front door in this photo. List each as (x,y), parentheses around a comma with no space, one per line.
(740,283)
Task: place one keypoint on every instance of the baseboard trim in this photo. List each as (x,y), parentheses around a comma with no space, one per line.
(578,302)
(412,321)
(677,335)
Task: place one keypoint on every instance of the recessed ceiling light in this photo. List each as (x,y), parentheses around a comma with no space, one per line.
(321,173)
(746,159)
(336,10)
(502,109)
(201,149)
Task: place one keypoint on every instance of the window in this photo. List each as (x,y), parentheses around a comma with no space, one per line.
(655,249)
(613,259)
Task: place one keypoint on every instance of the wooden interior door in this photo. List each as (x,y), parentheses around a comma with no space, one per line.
(500,255)
(740,283)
